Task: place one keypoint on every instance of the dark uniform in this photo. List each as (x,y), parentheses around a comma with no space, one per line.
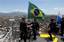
(23,30)
(29,30)
(35,28)
(62,26)
(52,26)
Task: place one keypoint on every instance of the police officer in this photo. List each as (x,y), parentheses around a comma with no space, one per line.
(23,30)
(62,26)
(29,29)
(52,26)
(35,28)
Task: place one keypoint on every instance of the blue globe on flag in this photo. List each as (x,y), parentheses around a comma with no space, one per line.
(36,12)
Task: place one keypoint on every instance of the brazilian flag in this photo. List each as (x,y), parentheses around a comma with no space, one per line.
(34,12)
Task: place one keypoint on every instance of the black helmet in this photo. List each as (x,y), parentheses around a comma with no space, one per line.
(52,19)
(23,18)
(63,19)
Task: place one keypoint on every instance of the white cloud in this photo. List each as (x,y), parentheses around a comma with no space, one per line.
(54,11)
(15,10)
(61,10)
(49,12)
(55,8)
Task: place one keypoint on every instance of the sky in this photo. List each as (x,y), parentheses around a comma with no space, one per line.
(47,6)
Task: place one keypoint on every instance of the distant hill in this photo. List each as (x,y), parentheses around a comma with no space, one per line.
(13,14)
